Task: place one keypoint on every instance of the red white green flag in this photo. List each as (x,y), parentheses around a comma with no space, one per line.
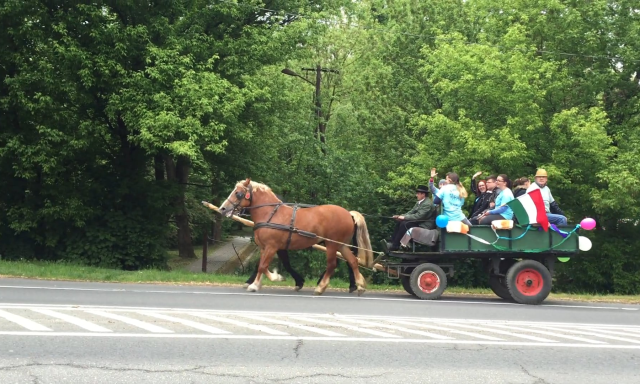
(529,209)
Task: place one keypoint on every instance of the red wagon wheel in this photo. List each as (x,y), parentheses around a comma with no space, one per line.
(428,281)
(529,282)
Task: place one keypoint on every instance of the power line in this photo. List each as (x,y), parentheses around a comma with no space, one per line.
(428,37)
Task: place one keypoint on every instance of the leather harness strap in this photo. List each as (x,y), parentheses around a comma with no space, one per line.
(290,228)
(293,220)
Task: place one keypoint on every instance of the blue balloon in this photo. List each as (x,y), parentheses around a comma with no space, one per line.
(442,221)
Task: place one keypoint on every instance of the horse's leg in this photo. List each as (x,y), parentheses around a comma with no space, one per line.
(283,255)
(353,263)
(275,276)
(266,255)
(352,280)
(251,278)
(332,260)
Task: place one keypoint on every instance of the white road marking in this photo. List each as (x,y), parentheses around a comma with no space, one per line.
(432,326)
(130,321)
(608,332)
(554,334)
(573,330)
(294,325)
(628,335)
(349,327)
(89,326)
(534,338)
(313,297)
(23,321)
(317,338)
(238,323)
(395,327)
(259,314)
(189,323)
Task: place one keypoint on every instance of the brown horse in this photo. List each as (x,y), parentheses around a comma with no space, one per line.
(279,226)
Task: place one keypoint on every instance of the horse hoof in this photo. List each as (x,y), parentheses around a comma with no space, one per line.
(361,291)
(253,288)
(298,288)
(318,291)
(352,289)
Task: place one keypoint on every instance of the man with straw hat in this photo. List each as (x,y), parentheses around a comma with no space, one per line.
(554,213)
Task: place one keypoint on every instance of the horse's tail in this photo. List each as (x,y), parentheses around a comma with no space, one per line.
(365,254)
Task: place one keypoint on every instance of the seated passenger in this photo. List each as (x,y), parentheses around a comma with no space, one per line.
(423,214)
(483,197)
(492,185)
(520,186)
(554,213)
(502,211)
(452,196)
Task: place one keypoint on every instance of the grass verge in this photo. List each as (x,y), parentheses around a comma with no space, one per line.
(72,272)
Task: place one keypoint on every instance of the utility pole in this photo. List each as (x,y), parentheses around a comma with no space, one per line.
(321,127)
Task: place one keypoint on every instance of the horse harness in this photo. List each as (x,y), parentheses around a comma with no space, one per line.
(248,195)
(290,228)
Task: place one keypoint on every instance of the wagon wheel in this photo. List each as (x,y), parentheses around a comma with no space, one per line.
(406,281)
(529,282)
(498,283)
(428,281)
(406,284)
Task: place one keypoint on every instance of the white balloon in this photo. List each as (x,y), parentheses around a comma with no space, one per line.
(584,244)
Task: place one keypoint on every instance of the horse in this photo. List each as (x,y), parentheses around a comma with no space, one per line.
(282,227)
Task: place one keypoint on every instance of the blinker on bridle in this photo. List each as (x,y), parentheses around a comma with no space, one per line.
(246,195)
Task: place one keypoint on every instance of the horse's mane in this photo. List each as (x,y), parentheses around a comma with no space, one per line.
(256,186)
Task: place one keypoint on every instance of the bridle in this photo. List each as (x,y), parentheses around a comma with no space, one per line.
(247,194)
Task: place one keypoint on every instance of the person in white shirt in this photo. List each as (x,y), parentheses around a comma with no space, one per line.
(554,213)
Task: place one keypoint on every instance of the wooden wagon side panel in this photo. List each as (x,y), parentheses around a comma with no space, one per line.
(520,241)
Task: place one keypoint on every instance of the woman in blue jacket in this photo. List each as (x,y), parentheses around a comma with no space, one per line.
(501,211)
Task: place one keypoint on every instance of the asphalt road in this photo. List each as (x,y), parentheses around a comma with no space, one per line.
(55,332)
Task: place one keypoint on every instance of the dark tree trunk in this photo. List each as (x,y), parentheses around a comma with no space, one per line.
(158,165)
(178,174)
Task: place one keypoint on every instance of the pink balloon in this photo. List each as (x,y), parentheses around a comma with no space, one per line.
(588,223)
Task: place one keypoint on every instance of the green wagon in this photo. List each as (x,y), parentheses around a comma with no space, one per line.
(519,261)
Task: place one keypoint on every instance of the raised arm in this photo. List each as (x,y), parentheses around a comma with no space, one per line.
(432,187)
(474,187)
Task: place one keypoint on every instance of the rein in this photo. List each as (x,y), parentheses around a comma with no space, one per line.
(281,203)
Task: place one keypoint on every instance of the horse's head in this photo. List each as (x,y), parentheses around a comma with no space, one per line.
(241,196)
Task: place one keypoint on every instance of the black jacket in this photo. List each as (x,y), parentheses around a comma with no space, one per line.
(481,204)
(519,191)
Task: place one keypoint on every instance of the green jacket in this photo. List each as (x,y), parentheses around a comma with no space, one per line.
(425,213)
